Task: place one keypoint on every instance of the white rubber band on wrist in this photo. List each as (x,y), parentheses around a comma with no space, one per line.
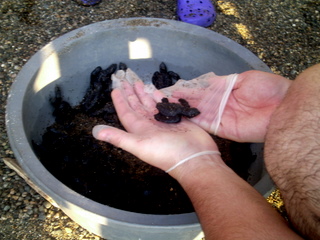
(232,78)
(191,157)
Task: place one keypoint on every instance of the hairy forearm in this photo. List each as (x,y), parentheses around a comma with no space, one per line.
(227,206)
(292,152)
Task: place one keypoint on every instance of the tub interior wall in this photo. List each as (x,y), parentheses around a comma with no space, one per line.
(69,66)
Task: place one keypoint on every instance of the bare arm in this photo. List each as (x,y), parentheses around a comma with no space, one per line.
(292,151)
(227,206)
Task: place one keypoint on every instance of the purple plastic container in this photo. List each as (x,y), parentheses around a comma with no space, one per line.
(198,12)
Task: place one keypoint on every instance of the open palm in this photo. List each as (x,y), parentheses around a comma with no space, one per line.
(159,144)
(253,98)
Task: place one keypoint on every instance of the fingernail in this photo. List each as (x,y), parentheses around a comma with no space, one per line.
(96,132)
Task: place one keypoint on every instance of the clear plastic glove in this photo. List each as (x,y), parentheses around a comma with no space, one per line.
(159,144)
(236,107)
(209,93)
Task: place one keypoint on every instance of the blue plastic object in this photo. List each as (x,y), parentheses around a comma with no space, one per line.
(198,12)
(88,2)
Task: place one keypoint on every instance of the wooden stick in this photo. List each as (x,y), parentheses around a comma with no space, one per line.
(13,164)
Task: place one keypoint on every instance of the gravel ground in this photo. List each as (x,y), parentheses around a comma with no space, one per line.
(284,34)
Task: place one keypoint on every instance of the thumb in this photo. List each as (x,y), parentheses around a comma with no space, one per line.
(116,137)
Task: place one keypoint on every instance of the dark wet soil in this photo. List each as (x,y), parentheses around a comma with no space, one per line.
(110,175)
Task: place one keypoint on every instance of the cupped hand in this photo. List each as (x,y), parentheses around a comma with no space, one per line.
(251,100)
(159,144)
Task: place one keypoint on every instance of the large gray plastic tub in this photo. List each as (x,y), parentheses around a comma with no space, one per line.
(142,44)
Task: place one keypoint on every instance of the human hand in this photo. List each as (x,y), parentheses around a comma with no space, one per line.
(159,144)
(244,117)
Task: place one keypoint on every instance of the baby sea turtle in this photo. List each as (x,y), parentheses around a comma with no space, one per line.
(172,112)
